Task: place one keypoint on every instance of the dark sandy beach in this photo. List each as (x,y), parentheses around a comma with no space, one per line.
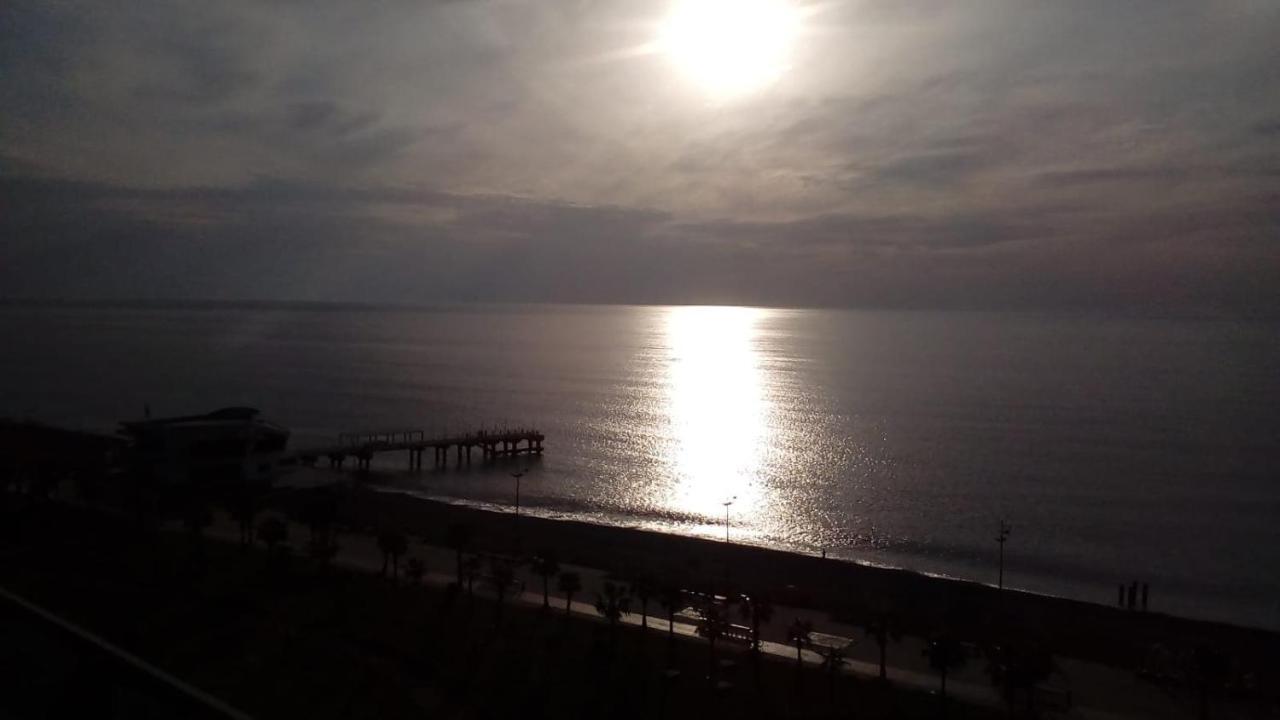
(923,604)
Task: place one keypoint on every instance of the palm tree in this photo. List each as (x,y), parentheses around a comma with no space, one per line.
(459,536)
(1212,670)
(642,589)
(545,565)
(883,626)
(322,550)
(713,622)
(319,513)
(470,570)
(757,610)
(570,583)
(243,507)
(393,545)
(673,600)
(1019,665)
(800,634)
(502,575)
(833,658)
(612,604)
(944,654)
(273,531)
(415,569)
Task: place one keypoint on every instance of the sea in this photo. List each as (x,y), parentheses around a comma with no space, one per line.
(1116,449)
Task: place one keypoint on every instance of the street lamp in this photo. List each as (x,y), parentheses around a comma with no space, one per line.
(517,476)
(726,504)
(1002,538)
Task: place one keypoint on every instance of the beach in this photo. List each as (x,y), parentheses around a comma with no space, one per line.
(849,591)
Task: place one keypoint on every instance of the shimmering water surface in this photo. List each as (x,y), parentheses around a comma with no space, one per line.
(1132,449)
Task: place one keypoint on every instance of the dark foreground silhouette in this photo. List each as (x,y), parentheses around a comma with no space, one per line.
(278,635)
(271,626)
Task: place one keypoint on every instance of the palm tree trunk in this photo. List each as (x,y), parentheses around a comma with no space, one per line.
(644,615)
(546,591)
(568,604)
(459,566)
(883,674)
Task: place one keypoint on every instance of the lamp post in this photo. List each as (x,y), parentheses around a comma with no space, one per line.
(1002,538)
(517,476)
(726,504)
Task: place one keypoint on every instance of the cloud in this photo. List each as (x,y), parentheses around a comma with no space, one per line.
(1013,154)
(279,240)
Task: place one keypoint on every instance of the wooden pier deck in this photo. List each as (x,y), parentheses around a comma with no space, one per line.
(364,445)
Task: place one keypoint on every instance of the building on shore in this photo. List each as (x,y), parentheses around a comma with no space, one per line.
(228,446)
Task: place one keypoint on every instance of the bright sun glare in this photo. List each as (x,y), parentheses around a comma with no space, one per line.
(718,409)
(730,47)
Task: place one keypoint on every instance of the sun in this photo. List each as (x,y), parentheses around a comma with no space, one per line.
(730,47)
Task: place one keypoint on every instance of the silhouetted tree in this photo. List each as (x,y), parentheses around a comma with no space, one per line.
(502,575)
(322,550)
(833,658)
(757,610)
(570,583)
(882,625)
(945,654)
(612,603)
(713,622)
(673,600)
(460,537)
(272,532)
(415,569)
(1212,670)
(642,589)
(800,634)
(470,570)
(546,566)
(1019,665)
(393,545)
(319,513)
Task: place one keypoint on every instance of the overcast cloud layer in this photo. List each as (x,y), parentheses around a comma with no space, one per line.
(996,154)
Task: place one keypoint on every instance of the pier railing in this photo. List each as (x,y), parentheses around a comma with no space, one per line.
(492,443)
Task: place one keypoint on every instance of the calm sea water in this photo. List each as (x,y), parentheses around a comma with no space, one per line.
(1118,449)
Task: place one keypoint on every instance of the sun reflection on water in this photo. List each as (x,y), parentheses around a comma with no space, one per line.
(718,412)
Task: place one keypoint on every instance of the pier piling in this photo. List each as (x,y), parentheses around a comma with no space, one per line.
(363,447)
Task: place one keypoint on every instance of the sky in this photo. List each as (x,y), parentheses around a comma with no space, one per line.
(992,154)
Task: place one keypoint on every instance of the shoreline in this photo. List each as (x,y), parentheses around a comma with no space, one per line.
(846,590)
(1085,591)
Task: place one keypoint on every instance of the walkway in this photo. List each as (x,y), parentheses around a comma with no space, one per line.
(1099,692)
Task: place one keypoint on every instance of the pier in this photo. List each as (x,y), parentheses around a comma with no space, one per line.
(362,446)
